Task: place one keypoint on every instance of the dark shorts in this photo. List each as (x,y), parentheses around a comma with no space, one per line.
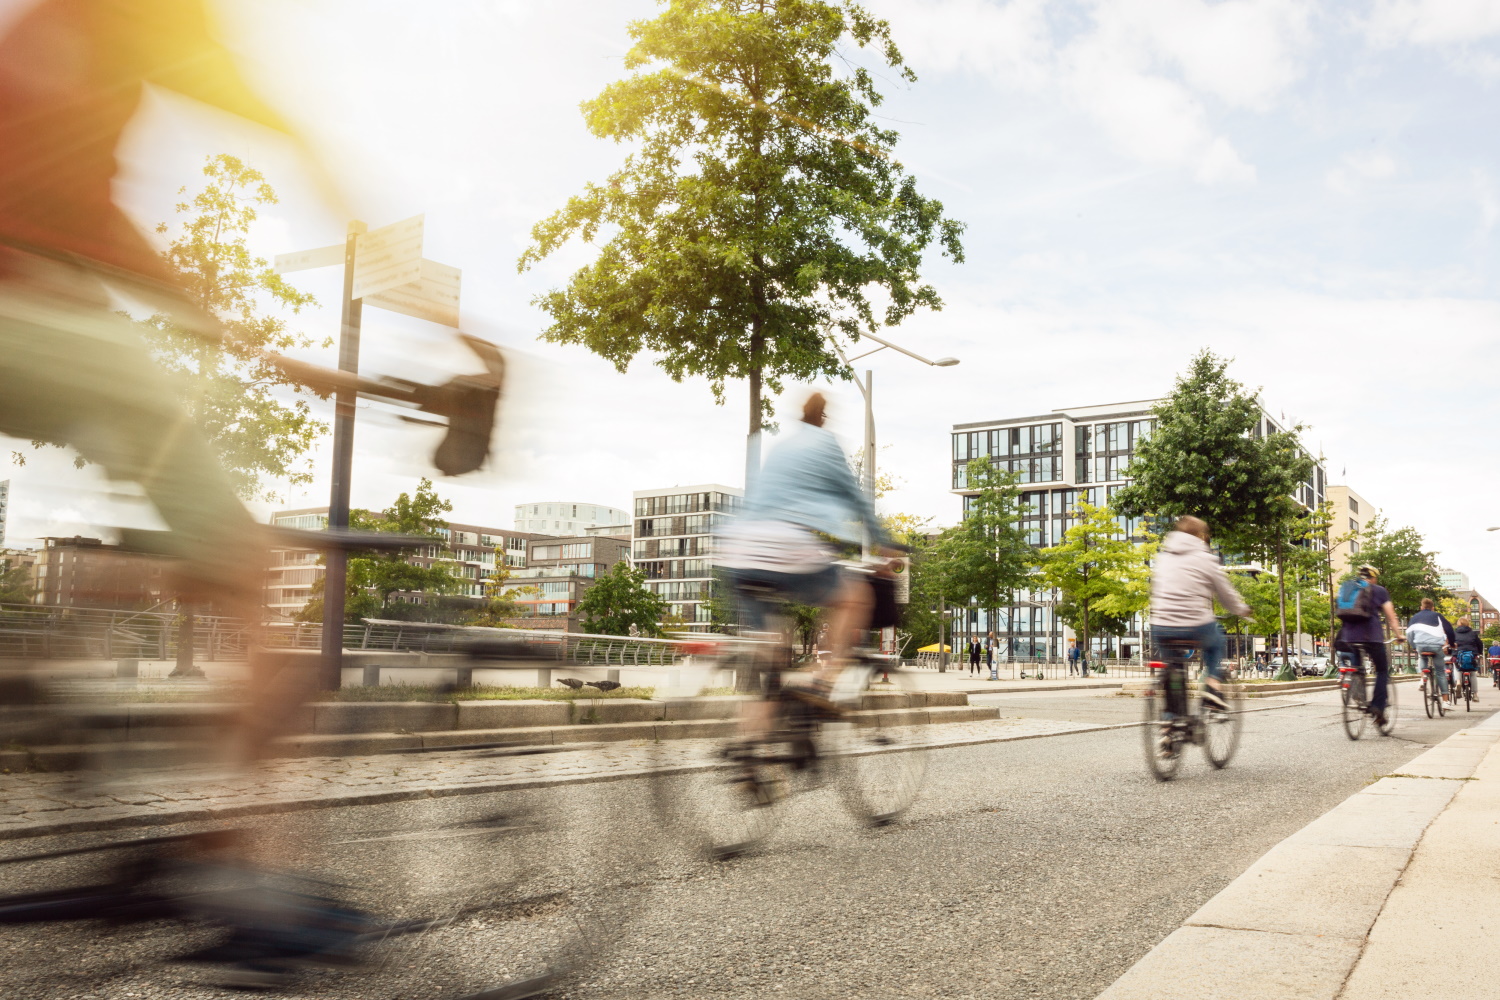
(758,590)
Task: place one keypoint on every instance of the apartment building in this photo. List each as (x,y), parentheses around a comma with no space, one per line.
(1452,579)
(1063,458)
(560,571)
(1351,513)
(476,550)
(89,573)
(564,518)
(672,542)
(1482,614)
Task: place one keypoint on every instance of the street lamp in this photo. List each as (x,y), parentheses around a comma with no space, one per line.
(867,389)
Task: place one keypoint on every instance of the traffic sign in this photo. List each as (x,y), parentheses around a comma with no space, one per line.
(433,297)
(304,259)
(388,257)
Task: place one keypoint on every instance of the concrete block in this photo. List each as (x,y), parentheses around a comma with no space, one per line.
(711,707)
(1216,963)
(383,716)
(616,710)
(341,745)
(890,717)
(696,729)
(612,732)
(1305,888)
(941,699)
(511,714)
(874,700)
(525,736)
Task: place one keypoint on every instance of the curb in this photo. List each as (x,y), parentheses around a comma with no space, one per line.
(1294,924)
(207,814)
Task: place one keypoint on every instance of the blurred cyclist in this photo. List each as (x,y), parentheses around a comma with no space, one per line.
(1185,579)
(1431,635)
(773,551)
(1467,650)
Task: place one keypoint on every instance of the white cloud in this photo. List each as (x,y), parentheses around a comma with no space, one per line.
(1141,68)
(1365,165)
(1431,22)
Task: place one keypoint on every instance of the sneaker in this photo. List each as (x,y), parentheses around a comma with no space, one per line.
(814,692)
(1213,701)
(1380,720)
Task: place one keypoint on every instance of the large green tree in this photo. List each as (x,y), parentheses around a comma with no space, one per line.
(15,583)
(1407,570)
(1098,571)
(620,599)
(1205,459)
(759,208)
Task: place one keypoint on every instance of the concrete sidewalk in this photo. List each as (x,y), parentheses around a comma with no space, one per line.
(959,680)
(1394,893)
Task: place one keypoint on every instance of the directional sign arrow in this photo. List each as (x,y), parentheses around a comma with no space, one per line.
(302,260)
(434,297)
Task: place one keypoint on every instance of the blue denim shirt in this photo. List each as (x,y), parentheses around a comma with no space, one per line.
(806,480)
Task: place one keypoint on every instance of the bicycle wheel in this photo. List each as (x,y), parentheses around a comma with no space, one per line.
(1430,697)
(1158,734)
(876,751)
(1221,730)
(1468,693)
(1354,707)
(1390,707)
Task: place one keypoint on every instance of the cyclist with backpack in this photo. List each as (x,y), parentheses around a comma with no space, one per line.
(1431,635)
(1186,579)
(1361,603)
(1467,650)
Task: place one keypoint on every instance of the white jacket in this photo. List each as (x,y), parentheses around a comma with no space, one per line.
(1185,579)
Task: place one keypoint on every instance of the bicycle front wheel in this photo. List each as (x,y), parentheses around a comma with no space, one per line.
(1221,729)
(1390,707)
(876,749)
(1354,707)
(1158,735)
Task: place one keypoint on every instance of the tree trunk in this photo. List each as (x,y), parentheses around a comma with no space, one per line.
(1083,654)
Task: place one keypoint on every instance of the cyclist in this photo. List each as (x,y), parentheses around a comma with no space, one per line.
(1184,582)
(773,550)
(1431,635)
(1367,635)
(1495,662)
(1467,649)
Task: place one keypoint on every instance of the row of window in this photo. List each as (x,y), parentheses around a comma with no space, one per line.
(685,503)
(677,569)
(668,548)
(692,524)
(1035,439)
(678,590)
(570,550)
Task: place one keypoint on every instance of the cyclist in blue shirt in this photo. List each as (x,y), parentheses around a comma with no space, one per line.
(1367,635)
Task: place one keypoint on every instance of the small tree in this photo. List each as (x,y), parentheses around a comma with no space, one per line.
(1407,571)
(1491,634)
(1097,570)
(620,599)
(1452,608)
(15,583)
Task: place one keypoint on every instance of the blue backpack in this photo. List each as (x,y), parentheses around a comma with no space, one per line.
(1466,660)
(1356,600)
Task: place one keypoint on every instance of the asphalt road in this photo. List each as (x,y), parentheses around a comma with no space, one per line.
(1036,868)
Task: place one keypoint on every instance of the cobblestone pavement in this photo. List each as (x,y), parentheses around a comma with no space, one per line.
(37,804)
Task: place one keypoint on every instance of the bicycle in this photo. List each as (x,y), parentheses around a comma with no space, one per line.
(1468,690)
(862,746)
(1432,698)
(1174,720)
(1356,706)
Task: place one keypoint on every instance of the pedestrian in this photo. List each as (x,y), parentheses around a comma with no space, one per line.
(974,653)
(1073,657)
(989,656)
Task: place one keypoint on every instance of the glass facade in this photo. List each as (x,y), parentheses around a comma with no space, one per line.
(672,545)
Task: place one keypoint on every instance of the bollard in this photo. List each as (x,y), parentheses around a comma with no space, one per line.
(674,679)
(612,675)
(128,669)
(372,676)
(544,677)
(463,677)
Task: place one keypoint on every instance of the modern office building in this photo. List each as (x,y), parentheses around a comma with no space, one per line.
(556,517)
(4,507)
(1063,458)
(1351,512)
(1452,579)
(476,550)
(672,542)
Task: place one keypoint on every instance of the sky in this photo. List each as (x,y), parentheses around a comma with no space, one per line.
(1311,189)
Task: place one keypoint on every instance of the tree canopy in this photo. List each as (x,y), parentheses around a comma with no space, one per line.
(1098,571)
(1406,569)
(15,583)
(986,556)
(620,599)
(759,208)
(1205,459)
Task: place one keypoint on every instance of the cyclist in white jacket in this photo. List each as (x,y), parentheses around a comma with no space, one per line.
(1186,577)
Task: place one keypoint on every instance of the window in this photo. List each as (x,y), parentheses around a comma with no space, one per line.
(1353,524)
(1353,506)
(1354,547)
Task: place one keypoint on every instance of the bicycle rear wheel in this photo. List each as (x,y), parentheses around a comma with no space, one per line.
(1159,736)
(876,751)
(1430,697)
(1353,708)
(1221,730)
(1468,694)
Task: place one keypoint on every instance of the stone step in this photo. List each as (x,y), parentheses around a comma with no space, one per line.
(66,757)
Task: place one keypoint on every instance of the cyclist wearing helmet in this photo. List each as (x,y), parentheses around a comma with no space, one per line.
(1368,636)
(1467,650)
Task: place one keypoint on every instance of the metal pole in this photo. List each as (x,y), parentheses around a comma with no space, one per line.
(337,560)
(870,434)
